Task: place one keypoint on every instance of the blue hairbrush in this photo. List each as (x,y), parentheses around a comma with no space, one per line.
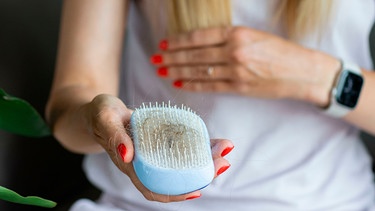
(172,149)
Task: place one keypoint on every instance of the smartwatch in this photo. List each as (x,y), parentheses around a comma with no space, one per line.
(346,90)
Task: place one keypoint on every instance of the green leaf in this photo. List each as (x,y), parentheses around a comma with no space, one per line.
(11,196)
(19,117)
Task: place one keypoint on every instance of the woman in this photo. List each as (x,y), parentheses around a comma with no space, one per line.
(283,83)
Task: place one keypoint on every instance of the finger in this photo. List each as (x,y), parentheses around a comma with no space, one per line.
(194,72)
(206,72)
(219,86)
(119,144)
(197,38)
(209,55)
(109,126)
(123,145)
(221,165)
(256,88)
(221,147)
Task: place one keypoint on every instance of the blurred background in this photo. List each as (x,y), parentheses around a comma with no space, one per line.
(29,166)
(34,166)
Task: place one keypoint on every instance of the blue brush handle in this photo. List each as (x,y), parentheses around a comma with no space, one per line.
(172,181)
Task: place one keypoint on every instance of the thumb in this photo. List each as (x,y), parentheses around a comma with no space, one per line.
(121,140)
(110,124)
(123,144)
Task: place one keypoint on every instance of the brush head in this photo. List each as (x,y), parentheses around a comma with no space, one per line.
(172,149)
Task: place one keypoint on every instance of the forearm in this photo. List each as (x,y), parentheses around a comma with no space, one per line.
(363,115)
(66,115)
(85,67)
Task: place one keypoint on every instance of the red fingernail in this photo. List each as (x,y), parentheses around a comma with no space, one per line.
(193,197)
(162,72)
(163,45)
(178,84)
(122,151)
(156,59)
(226,151)
(222,169)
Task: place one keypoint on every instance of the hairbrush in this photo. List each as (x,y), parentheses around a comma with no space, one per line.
(172,149)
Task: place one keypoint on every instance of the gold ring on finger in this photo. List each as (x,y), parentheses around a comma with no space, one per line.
(210,70)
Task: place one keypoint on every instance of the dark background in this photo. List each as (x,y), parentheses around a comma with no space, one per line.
(34,166)
(28,40)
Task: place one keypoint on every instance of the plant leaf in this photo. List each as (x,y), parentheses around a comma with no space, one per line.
(19,117)
(11,196)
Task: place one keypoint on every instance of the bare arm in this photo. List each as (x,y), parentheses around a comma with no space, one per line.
(253,63)
(364,116)
(87,65)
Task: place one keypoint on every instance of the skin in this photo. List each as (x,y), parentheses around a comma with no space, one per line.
(87,116)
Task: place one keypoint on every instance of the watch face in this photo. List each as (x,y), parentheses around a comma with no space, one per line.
(348,89)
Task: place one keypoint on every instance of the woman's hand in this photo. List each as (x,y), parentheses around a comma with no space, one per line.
(108,121)
(248,62)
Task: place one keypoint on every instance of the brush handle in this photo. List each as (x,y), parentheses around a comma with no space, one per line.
(172,181)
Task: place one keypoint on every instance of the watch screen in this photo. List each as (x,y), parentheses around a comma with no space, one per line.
(349,90)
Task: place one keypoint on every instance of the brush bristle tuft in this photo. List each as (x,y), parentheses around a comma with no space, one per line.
(170,137)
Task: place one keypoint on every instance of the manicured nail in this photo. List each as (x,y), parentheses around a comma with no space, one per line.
(162,72)
(163,45)
(222,169)
(122,151)
(226,151)
(156,59)
(193,197)
(178,84)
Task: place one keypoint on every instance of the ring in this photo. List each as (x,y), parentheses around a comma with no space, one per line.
(210,70)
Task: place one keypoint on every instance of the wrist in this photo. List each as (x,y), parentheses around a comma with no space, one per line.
(346,90)
(323,70)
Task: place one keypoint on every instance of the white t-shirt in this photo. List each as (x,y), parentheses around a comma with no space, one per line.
(288,155)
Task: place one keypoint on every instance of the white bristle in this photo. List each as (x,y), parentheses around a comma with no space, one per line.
(170,137)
